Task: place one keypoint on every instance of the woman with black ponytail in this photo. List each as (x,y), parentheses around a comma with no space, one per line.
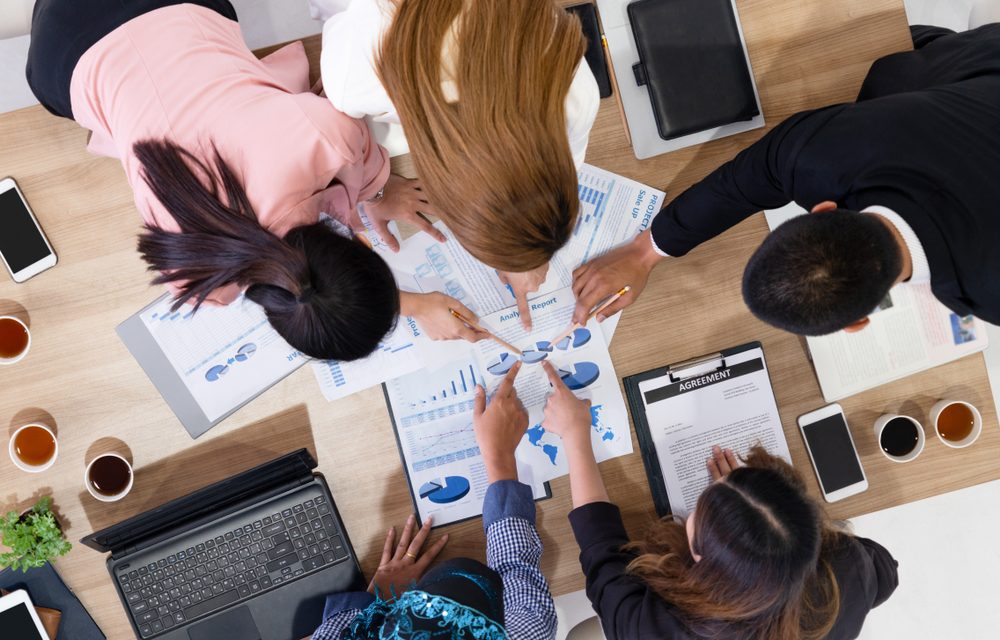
(247,180)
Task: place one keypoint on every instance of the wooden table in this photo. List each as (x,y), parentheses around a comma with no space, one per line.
(80,378)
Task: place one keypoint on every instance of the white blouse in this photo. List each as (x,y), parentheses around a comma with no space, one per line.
(351,35)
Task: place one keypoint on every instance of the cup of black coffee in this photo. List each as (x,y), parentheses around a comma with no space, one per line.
(900,438)
(108,477)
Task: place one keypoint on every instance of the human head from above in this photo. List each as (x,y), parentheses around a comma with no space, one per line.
(328,296)
(495,156)
(748,563)
(820,273)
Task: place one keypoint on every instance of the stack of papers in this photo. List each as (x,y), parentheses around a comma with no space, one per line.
(430,386)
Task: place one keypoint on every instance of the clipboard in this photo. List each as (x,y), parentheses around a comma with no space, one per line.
(699,367)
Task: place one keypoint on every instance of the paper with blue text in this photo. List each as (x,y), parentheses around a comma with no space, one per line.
(583,363)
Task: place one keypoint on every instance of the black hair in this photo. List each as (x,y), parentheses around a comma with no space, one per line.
(818,273)
(326,295)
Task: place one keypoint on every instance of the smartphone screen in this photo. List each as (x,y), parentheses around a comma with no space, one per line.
(833,453)
(21,243)
(17,622)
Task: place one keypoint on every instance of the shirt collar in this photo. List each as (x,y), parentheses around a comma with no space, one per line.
(921,273)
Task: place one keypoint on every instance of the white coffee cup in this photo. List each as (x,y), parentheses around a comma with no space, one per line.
(97,494)
(21,464)
(917,449)
(27,347)
(977,423)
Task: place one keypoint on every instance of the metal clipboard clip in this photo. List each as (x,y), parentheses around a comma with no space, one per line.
(697,367)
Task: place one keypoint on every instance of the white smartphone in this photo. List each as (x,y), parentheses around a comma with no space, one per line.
(18,617)
(25,250)
(832,452)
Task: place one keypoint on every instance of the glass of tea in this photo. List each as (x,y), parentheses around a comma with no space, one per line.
(957,423)
(15,340)
(108,477)
(33,448)
(900,438)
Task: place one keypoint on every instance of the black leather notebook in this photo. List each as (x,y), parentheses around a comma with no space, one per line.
(692,60)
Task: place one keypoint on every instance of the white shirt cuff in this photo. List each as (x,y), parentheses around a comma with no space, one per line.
(657,249)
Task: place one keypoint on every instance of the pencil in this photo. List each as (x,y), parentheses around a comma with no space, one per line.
(473,325)
(610,300)
(614,87)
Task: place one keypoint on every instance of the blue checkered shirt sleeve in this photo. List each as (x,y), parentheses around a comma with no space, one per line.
(333,626)
(514,550)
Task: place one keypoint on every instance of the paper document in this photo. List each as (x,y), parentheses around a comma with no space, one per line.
(584,365)
(396,355)
(731,406)
(224,355)
(432,413)
(909,333)
(613,210)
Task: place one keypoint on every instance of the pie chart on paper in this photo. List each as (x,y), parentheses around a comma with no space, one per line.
(582,375)
(502,365)
(445,490)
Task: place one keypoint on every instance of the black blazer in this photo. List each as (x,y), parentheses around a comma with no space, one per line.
(865,572)
(923,139)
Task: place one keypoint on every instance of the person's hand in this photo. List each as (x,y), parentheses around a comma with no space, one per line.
(566,415)
(629,264)
(499,427)
(523,284)
(402,564)
(403,200)
(432,311)
(722,462)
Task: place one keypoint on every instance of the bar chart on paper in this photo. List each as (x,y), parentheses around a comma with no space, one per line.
(595,191)
(433,413)
(395,355)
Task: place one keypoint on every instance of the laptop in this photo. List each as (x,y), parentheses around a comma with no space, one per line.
(251,557)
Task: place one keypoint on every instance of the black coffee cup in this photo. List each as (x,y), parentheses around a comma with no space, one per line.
(900,438)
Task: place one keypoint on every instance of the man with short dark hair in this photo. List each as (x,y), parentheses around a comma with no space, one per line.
(904,185)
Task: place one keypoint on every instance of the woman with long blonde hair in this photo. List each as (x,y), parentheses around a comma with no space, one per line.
(756,560)
(496,103)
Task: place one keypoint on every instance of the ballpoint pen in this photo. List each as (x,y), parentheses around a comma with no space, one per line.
(614,87)
(596,310)
(473,325)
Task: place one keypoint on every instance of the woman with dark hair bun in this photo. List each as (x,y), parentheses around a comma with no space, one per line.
(246,179)
(757,559)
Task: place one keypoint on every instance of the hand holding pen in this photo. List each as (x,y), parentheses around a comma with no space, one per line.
(596,311)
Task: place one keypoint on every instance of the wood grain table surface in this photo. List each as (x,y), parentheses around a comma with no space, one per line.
(80,378)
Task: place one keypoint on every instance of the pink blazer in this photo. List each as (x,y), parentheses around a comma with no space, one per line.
(184,73)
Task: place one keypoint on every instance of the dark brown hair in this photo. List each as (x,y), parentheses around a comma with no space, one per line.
(763,573)
(497,162)
(326,295)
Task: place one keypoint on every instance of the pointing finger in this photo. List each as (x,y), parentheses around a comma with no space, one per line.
(480,402)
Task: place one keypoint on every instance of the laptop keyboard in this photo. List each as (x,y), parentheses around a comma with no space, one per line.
(247,561)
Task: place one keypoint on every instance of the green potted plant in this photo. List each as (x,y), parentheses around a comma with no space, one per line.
(33,538)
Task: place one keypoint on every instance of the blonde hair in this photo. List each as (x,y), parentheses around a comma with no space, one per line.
(497,162)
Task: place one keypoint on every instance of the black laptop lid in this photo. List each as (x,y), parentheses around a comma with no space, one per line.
(213,499)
